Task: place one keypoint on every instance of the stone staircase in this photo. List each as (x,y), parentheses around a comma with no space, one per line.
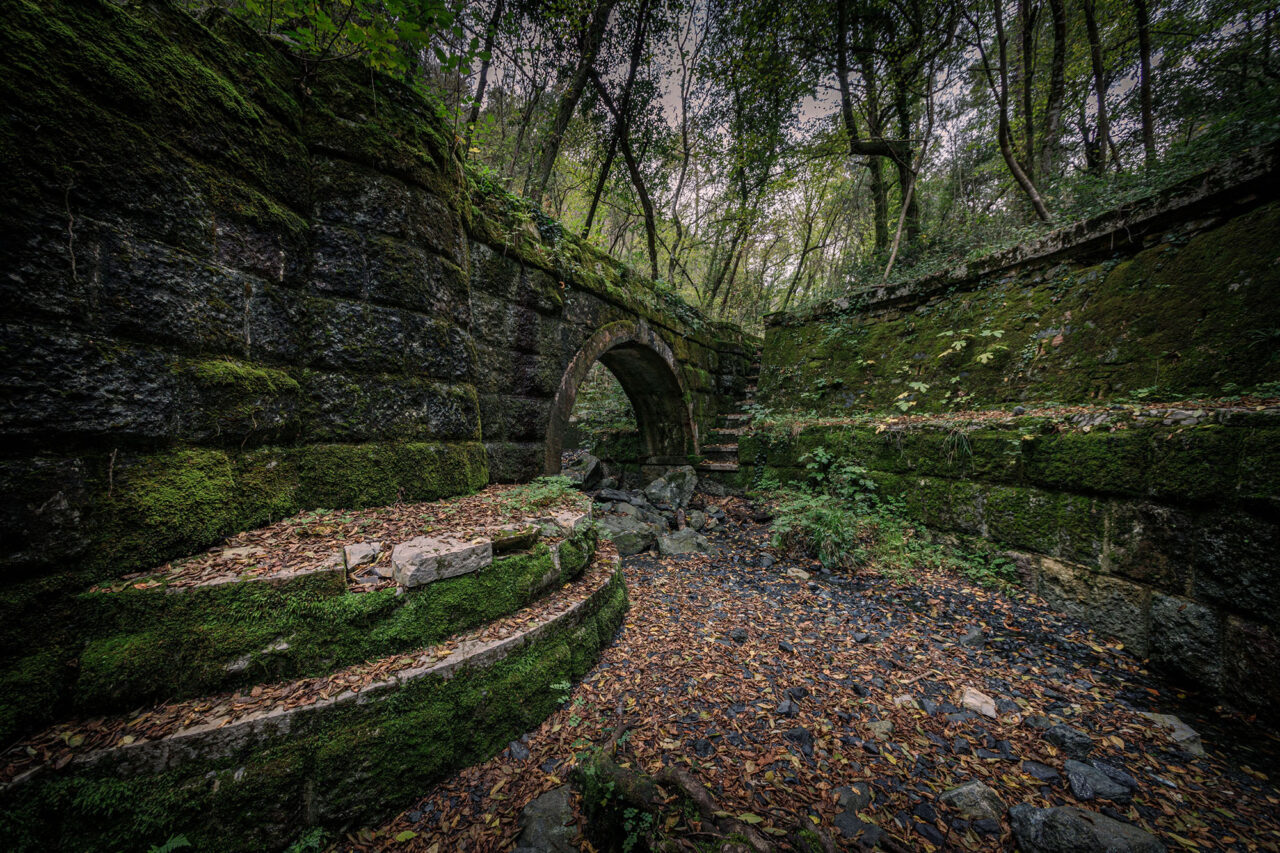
(306,674)
(720,453)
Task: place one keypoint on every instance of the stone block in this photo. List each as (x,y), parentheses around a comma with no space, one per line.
(1250,656)
(1236,565)
(513,462)
(404,275)
(1099,462)
(373,201)
(1151,544)
(337,261)
(360,554)
(362,338)
(1112,606)
(1186,639)
(352,407)
(426,559)
(60,384)
(150,292)
(1194,464)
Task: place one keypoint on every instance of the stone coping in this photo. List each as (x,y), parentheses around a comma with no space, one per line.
(206,732)
(1247,178)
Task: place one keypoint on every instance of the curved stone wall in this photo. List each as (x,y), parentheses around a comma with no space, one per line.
(235,288)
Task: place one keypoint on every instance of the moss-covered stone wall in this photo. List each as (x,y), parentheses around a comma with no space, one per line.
(1155,523)
(1163,535)
(237,285)
(1172,299)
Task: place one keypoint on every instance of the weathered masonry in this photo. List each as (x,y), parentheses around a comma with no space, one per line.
(1158,524)
(235,287)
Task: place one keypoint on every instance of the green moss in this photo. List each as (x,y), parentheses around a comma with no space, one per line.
(240,378)
(148,645)
(340,767)
(170,503)
(360,475)
(1184,320)
(1104,463)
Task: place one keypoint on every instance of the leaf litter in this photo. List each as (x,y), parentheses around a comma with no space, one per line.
(774,691)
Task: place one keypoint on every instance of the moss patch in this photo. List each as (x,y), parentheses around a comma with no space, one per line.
(334,768)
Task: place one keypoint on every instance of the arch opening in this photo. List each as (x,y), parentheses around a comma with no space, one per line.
(647,370)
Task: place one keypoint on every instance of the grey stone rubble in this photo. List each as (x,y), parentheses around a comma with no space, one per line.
(207,741)
(1068,829)
(546,824)
(425,559)
(649,520)
(974,801)
(1178,731)
(674,488)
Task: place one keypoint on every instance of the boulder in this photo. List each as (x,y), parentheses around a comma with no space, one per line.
(516,537)
(426,559)
(1072,741)
(585,472)
(629,535)
(545,824)
(686,541)
(673,488)
(880,729)
(1090,783)
(974,801)
(979,702)
(1068,829)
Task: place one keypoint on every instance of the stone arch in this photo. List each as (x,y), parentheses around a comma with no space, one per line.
(649,374)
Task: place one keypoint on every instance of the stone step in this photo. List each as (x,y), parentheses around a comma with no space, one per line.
(720,448)
(736,417)
(727,435)
(335,742)
(275,604)
(718,467)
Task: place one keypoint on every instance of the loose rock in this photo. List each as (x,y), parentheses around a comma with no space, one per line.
(1067,829)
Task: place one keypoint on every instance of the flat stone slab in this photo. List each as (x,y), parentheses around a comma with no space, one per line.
(425,559)
(1178,731)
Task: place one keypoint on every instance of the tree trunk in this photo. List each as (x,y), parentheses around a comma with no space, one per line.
(637,177)
(871,149)
(569,100)
(1057,91)
(999,84)
(489,37)
(1027,23)
(604,177)
(1099,83)
(1144,81)
(906,174)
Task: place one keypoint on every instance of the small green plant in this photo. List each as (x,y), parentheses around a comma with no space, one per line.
(177,842)
(562,689)
(538,494)
(312,841)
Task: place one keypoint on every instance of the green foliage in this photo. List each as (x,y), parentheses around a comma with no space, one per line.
(540,493)
(391,35)
(177,842)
